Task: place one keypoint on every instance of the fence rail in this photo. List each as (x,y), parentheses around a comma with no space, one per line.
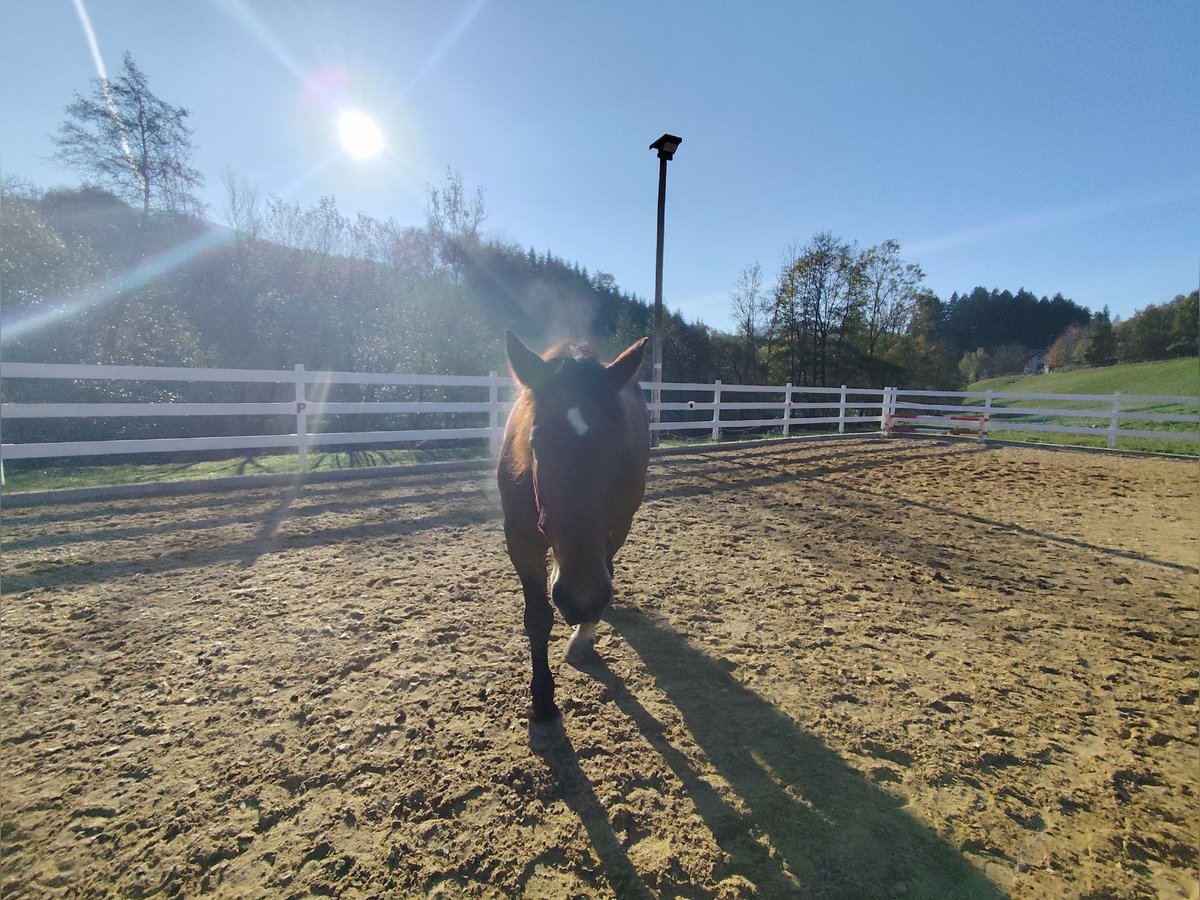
(714,408)
(1003,412)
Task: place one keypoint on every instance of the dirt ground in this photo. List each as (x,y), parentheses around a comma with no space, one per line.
(859,668)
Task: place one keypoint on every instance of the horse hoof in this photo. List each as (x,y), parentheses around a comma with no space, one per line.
(581,647)
(545,736)
(579,652)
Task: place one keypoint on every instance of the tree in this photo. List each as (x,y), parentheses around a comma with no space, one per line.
(746,303)
(787,326)
(1186,313)
(972,365)
(827,283)
(926,357)
(39,272)
(1160,331)
(993,318)
(1070,349)
(453,219)
(891,287)
(1101,346)
(242,210)
(1145,336)
(127,137)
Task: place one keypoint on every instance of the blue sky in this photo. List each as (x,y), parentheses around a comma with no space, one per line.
(1051,146)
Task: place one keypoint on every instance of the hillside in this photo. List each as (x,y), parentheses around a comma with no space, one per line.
(1174,377)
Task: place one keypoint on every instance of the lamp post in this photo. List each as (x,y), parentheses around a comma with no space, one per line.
(666,147)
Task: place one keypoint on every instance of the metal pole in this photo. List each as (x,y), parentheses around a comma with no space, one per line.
(656,394)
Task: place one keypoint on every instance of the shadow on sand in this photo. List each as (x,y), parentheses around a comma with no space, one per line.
(578,794)
(835,834)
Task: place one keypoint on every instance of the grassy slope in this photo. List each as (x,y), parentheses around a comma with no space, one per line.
(1175,377)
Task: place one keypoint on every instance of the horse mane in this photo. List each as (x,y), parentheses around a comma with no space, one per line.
(520,459)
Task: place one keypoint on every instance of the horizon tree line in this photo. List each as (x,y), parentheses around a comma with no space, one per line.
(379,294)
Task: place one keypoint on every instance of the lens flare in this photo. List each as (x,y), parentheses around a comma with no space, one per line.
(57,309)
(361,135)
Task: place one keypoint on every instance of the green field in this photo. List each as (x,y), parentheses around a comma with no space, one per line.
(1173,377)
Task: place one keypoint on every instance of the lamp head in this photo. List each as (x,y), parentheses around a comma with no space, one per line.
(666,146)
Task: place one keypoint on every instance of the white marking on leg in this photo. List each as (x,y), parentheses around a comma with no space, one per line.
(575,417)
(580,644)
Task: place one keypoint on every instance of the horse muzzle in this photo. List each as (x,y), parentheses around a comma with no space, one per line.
(581,606)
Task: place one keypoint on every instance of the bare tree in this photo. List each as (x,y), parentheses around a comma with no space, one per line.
(127,137)
(747,304)
(242,209)
(283,223)
(454,220)
(890,288)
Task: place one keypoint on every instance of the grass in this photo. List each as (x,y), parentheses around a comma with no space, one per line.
(46,478)
(1173,377)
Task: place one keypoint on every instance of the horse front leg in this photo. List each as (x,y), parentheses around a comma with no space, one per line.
(529,559)
(545,720)
(539,618)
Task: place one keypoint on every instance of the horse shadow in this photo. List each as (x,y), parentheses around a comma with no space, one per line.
(834,833)
(579,796)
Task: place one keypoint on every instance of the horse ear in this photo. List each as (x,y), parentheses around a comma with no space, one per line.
(626,366)
(528,368)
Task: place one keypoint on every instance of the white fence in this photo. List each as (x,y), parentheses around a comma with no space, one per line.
(1109,416)
(303,408)
(718,408)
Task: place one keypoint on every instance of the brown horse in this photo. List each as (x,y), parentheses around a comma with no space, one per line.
(572,473)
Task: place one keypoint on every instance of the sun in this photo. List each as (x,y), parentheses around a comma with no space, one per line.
(361,136)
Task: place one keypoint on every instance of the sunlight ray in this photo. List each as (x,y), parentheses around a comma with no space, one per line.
(446,43)
(251,21)
(317,398)
(63,308)
(89,34)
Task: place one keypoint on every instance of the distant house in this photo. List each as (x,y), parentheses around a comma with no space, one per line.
(1036,365)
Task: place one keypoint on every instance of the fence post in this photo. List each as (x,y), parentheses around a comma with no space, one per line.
(716,420)
(842,412)
(493,414)
(987,414)
(787,410)
(885,412)
(1114,420)
(301,417)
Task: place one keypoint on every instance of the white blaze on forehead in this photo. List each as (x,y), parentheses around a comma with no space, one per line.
(575,417)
